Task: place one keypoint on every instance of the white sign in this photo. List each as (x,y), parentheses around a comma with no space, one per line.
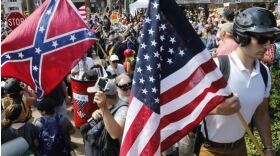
(80,97)
(226,4)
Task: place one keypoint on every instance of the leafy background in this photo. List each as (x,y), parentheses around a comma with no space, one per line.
(274,110)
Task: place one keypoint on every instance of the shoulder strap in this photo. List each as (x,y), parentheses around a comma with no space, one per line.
(224,65)
(264,74)
(115,109)
(205,130)
(14,132)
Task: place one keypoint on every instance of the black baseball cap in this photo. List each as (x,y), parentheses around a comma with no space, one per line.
(12,85)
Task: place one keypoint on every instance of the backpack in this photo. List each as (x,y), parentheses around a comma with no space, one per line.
(101,141)
(51,138)
(224,65)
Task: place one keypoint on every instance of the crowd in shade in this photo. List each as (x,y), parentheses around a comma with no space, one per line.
(114,57)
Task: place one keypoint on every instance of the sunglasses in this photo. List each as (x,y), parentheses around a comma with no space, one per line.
(125,87)
(263,39)
(114,61)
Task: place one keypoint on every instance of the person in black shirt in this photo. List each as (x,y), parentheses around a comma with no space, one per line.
(13,125)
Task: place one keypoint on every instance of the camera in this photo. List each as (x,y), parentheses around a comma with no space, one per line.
(89,127)
(92,122)
(100,85)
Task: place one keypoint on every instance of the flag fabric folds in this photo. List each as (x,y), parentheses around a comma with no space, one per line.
(83,13)
(44,48)
(176,82)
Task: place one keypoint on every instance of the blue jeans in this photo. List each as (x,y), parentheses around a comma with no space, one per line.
(88,148)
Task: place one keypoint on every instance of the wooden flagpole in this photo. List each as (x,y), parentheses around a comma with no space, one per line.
(245,125)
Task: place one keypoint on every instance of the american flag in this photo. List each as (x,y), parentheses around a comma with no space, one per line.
(83,13)
(176,83)
(44,48)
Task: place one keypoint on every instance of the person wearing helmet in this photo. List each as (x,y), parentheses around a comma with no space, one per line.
(254,29)
(17,93)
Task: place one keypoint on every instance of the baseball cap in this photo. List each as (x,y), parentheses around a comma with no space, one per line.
(227,27)
(114,58)
(111,88)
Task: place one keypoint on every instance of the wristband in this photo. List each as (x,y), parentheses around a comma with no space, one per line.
(269,148)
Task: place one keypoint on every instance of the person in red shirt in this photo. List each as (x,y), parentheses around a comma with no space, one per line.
(227,43)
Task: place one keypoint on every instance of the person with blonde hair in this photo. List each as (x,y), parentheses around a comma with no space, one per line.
(13,126)
(17,93)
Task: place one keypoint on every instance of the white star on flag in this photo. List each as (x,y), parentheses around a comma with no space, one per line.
(144,91)
(157,16)
(147,20)
(41,29)
(157,100)
(161,48)
(151,79)
(154,90)
(171,51)
(38,50)
(146,57)
(162,26)
(35,68)
(172,40)
(149,68)
(156,54)
(158,65)
(139,70)
(154,43)
(142,80)
(54,44)
(8,56)
(20,55)
(181,52)
(143,45)
(162,37)
(137,58)
(48,12)
(72,38)
(151,31)
(155,5)
(169,61)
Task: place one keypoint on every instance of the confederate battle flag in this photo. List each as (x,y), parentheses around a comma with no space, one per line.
(44,48)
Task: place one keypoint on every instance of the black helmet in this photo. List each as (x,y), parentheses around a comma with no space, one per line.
(256,20)
(12,85)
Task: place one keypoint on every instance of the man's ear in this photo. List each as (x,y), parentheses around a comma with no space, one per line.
(222,33)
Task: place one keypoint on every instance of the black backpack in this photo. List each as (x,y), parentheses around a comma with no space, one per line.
(102,143)
(224,65)
(51,138)
(225,68)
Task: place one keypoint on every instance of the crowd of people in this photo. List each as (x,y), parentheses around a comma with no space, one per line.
(247,38)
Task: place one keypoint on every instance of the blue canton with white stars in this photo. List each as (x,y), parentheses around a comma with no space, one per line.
(161,52)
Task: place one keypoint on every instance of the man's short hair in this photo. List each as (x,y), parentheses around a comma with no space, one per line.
(228,14)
